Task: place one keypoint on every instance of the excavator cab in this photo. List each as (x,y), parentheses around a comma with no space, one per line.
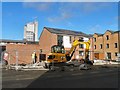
(58,49)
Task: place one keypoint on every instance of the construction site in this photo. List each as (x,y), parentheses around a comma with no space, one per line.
(60,56)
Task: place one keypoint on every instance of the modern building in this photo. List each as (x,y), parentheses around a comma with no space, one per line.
(31,31)
(55,36)
(106,46)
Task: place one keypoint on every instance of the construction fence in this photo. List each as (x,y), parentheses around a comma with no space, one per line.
(16,57)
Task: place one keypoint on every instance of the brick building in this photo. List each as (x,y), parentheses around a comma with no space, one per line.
(103,46)
(19,50)
(106,46)
(55,36)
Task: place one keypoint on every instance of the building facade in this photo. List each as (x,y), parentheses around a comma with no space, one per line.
(19,51)
(55,36)
(31,31)
(106,46)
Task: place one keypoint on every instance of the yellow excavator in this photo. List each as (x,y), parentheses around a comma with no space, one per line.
(59,57)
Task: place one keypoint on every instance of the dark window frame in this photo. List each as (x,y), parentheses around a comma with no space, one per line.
(94,46)
(116,45)
(107,46)
(101,46)
(107,37)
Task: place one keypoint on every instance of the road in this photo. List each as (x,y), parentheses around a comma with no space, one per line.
(98,78)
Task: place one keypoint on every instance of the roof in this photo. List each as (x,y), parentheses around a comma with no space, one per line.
(112,32)
(17,41)
(99,34)
(67,32)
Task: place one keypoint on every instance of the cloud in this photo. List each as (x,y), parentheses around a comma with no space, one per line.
(38,6)
(61,17)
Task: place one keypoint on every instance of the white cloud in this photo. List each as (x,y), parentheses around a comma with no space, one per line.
(38,6)
(61,17)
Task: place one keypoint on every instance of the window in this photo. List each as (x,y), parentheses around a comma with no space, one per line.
(70,39)
(116,54)
(107,37)
(59,39)
(51,57)
(115,45)
(100,46)
(94,46)
(107,45)
(81,46)
(81,39)
(81,53)
(94,39)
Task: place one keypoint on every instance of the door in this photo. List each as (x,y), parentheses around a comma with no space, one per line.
(108,55)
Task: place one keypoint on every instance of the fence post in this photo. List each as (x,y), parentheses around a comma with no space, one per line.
(16,52)
(1,59)
(1,70)
(9,60)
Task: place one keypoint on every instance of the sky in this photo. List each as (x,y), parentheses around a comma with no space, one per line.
(87,17)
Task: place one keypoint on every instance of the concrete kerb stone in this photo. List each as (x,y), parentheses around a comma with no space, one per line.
(28,67)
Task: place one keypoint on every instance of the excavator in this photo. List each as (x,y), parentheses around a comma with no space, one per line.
(59,57)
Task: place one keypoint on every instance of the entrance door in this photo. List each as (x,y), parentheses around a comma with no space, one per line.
(96,55)
(109,55)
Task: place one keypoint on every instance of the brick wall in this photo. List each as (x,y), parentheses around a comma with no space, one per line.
(47,39)
(101,39)
(23,51)
(113,38)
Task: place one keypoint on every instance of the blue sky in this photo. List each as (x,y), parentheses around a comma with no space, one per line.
(88,17)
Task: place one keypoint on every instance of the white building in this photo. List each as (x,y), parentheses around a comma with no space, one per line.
(31,31)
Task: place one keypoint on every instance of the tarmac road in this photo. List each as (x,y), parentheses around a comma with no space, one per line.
(97,78)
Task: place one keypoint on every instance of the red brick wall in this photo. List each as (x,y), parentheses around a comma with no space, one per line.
(47,39)
(24,52)
(113,38)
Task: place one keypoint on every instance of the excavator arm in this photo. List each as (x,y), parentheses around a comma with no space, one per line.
(75,44)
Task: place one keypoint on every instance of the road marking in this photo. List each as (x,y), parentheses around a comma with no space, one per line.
(24,78)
